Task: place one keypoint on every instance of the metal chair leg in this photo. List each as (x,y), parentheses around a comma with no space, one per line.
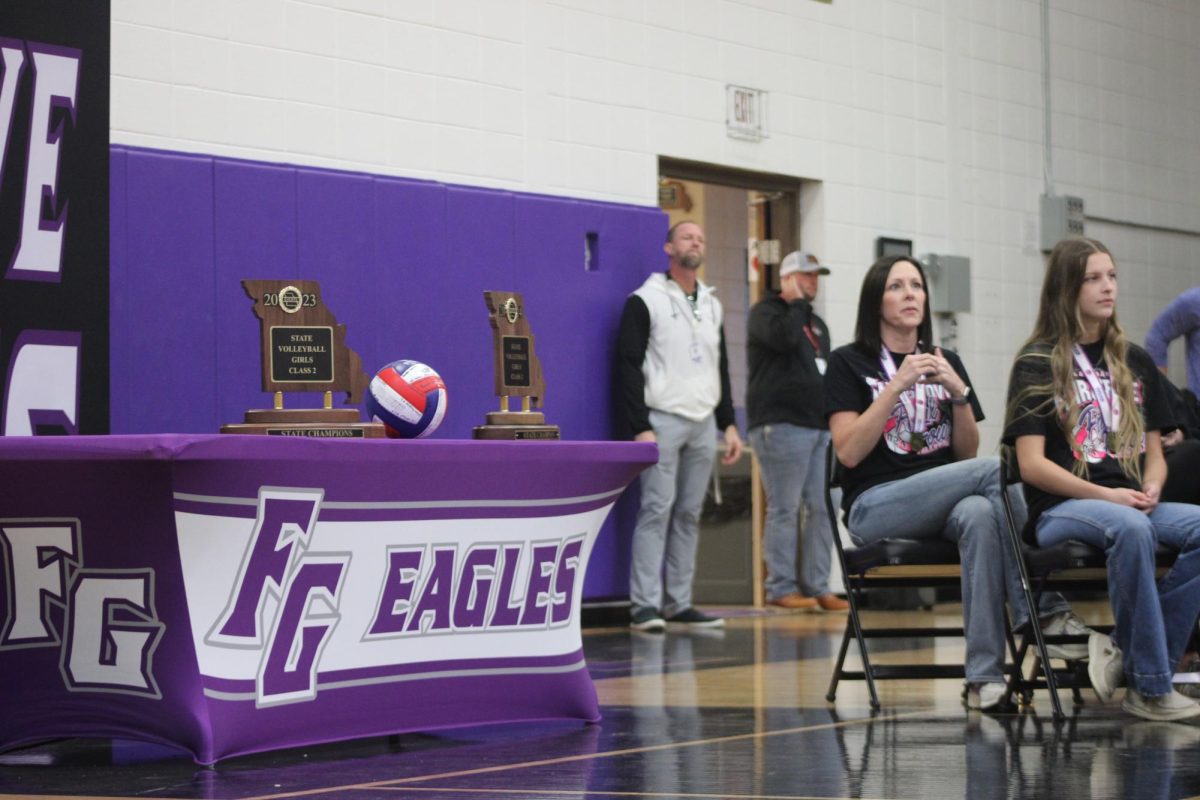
(862,648)
(831,695)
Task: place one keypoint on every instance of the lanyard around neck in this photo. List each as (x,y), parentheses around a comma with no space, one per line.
(1103,396)
(693,298)
(812,338)
(912,398)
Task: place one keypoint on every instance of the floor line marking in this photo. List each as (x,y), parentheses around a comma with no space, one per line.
(587,757)
(600,793)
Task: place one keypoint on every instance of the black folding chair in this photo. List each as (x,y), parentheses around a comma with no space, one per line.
(890,564)
(1071,565)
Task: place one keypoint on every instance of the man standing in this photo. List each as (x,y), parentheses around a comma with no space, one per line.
(1180,318)
(787,350)
(673,378)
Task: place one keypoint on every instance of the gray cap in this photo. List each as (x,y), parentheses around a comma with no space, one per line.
(801,261)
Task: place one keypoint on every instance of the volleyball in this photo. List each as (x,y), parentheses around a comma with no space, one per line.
(409,398)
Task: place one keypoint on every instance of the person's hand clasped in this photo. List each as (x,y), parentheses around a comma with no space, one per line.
(913,370)
(1153,494)
(1142,501)
(929,368)
(945,375)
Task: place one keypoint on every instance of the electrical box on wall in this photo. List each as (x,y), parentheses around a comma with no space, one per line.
(1062,217)
(949,282)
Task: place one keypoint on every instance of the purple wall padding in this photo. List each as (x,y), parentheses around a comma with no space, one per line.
(402,263)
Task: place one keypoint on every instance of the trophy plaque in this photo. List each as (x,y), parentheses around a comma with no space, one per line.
(304,350)
(518,373)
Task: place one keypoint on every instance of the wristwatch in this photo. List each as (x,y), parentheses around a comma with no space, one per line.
(962,401)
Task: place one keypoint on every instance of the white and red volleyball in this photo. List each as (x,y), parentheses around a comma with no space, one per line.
(409,398)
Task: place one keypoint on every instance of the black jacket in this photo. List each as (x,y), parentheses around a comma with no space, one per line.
(785,383)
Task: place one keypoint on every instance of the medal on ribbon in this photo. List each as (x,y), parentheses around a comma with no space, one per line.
(913,401)
(1104,398)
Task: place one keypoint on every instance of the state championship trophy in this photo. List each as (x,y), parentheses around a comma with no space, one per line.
(304,350)
(518,373)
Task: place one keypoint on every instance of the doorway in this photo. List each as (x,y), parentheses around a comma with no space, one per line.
(750,221)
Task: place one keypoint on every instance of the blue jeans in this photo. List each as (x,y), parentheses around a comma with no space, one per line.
(668,520)
(960,502)
(1154,622)
(792,459)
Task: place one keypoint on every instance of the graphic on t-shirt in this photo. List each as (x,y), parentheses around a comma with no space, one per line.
(900,434)
(1090,436)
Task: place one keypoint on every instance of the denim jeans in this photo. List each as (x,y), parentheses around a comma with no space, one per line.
(668,519)
(1154,622)
(792,459)
(960,502)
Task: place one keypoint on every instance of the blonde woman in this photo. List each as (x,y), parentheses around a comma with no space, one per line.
(1085,412)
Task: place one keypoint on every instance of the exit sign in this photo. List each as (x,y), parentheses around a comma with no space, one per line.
(745,113)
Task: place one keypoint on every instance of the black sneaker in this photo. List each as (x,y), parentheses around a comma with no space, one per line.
(647,619)
(695,618)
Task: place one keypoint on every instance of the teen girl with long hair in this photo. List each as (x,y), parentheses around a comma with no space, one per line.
(1084,414)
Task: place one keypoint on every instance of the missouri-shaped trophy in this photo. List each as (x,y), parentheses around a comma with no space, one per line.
(518,373)
(304,350)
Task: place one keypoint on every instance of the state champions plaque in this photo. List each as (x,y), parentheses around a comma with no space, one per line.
(304,350)
(518,373)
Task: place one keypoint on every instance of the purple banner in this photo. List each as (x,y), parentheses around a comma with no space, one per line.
(54,218)
(241,593)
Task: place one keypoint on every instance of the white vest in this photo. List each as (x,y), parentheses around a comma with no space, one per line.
(682,364)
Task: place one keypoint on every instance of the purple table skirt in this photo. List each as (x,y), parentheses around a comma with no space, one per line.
(231,594)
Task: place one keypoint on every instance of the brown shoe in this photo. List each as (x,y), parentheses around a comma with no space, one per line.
(794,601)
(831,602)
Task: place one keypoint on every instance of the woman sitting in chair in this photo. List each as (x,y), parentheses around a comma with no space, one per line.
(903,421)
(1085,412)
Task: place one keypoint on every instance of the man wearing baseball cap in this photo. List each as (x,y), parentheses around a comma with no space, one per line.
(787,351)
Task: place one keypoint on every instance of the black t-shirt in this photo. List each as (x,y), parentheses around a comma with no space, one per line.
(853,381)
(1035,416)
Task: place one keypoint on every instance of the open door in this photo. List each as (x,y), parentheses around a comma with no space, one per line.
(750,220)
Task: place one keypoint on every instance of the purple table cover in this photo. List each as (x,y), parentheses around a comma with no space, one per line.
(232,594)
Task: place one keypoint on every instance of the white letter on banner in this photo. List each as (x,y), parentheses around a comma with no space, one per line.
(55,84)
(38,558)
(113,631)
(43,377)
(12,60)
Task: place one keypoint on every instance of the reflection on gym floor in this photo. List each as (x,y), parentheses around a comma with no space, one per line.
(738,713)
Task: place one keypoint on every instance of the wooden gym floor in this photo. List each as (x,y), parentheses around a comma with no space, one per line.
(738,713)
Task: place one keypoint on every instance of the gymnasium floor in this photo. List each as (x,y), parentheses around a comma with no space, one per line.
(738,713)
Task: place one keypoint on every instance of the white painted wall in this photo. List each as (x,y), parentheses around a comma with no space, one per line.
(921,118)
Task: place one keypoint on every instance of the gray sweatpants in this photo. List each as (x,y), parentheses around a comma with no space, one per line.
(668,521)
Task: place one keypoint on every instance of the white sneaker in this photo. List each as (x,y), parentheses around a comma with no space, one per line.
(1066,623)
(1165,708)
(984,696)
(1104,666)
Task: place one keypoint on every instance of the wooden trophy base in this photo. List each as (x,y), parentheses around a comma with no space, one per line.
(516,425)
(319,423)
